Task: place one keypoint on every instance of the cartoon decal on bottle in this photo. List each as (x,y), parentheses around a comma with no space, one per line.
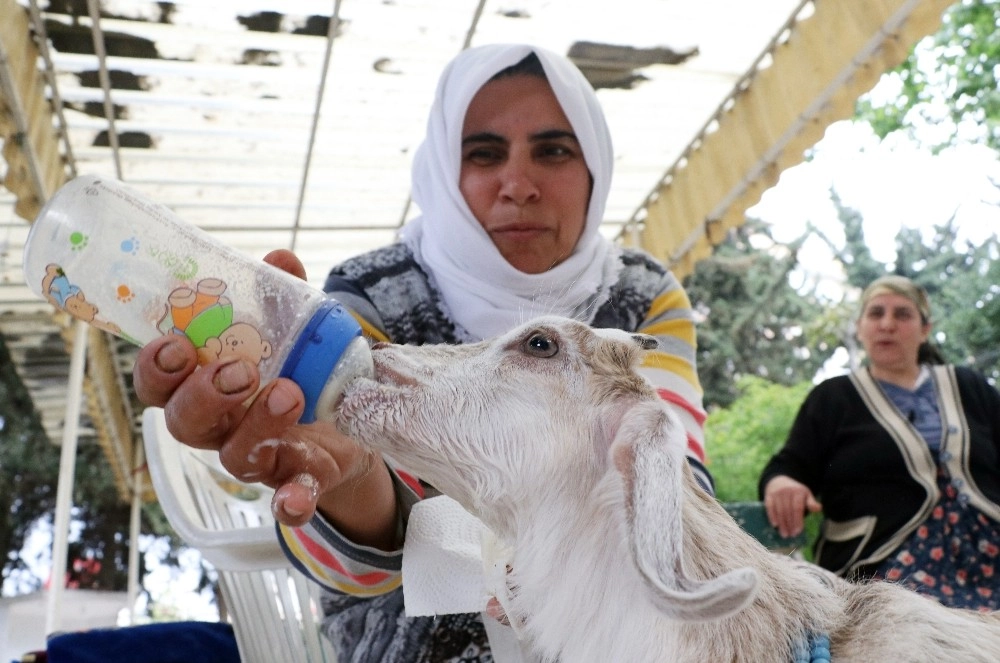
(202,313)
(62,294)
(205,316)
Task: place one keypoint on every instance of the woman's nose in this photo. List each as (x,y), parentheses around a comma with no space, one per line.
(517,183)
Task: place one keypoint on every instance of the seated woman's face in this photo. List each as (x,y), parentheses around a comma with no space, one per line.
(523,174)
(891,330)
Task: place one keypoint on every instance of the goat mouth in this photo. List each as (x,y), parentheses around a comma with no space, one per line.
(389,376)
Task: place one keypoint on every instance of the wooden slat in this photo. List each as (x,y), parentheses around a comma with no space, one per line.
(110,412)
(31,149)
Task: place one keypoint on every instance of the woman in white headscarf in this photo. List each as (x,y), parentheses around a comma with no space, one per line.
(482,292)
(511,181)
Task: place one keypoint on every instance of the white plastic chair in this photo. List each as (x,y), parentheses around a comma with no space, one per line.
(274,609)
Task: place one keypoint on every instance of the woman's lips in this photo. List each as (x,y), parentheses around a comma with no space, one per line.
(518,232)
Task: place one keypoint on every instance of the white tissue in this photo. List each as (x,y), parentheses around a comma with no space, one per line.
(442,560)
(444,571)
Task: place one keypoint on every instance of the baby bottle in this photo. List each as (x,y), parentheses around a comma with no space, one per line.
(111,258)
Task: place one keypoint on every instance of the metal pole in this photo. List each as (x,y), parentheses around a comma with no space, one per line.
(331,34)
(94,9)
(67,473)
(138,484)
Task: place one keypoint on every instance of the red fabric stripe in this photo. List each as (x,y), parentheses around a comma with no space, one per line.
(324,557)
(411,481)
(675,398)
(695,448)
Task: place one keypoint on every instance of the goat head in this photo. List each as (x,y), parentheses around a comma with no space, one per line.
(531,422)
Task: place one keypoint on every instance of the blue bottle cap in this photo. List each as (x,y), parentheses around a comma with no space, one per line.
(317,351)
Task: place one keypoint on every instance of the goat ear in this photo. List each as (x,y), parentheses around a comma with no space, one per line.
(645,341)
(648,451)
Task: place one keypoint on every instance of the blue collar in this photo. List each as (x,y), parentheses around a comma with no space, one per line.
(814,650)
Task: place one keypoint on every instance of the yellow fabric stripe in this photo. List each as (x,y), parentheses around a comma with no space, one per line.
(682,330)
(673,364)
(679,328)
(369,331)
(666,301)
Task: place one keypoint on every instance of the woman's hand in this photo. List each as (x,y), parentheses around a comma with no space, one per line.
(787,501)
(218,407)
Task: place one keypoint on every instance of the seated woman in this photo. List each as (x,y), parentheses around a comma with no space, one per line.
(905,456)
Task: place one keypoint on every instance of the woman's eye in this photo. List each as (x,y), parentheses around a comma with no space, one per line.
(556,152)
(482,156)
(541,345)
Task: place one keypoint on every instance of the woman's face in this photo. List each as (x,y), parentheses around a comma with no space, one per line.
(523,173)
(891,331)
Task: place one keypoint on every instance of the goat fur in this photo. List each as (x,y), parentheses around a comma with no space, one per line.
(550,436)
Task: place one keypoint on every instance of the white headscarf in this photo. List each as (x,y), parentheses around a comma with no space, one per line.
(483,294)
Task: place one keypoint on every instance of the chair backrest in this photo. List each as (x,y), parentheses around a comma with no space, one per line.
(274,610)
(752,517)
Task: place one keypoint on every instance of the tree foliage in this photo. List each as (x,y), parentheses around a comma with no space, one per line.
(29,469)
(752,321)
(741,438)
(29,464)
(949,81)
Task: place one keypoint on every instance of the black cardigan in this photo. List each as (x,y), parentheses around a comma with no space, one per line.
(875,475)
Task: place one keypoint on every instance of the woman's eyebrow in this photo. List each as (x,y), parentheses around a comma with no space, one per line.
(484,137)
(554,134)
(548,134)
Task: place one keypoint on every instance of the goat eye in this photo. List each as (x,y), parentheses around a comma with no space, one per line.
(541,345)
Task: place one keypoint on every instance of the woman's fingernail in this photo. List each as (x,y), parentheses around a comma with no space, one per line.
(171,358)
(280,401)
(280,508)
(233,378)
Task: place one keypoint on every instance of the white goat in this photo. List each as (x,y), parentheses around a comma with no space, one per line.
(549,435)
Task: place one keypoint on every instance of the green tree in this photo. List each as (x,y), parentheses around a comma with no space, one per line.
(949,82)
(854,255)
(980,322)
(28,465)
(752,322)
(29,468)
(741,438)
